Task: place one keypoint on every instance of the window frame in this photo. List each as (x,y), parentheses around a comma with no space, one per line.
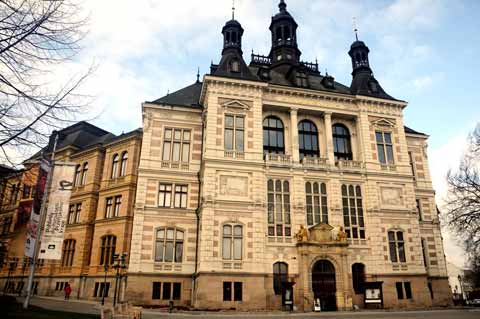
(108,245)
(358,277)
(177,195)
(304,135)
(230,240)
(316,202)
(123,164)
(346,138)
(383,146)
(234,129)
(68,252)
(277,131)
(280,276)
(396,246)
(84,173)
(182,142)
(177,244)
(353,215)
(115,163)
(279,215)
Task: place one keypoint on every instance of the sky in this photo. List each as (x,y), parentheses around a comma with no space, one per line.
(422,51)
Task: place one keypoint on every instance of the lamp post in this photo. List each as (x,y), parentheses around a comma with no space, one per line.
(11,267)
(104,292)
(119,264)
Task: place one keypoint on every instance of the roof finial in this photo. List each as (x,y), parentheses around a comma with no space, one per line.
(355,29)
(233,9)
(282,5)
(198,75)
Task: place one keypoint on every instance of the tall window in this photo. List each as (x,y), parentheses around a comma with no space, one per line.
(171,291)
(74,213)
(400,290)
(167,192)
(342,147)
(278,208)
(353,211)
(115,166)
(316,197)
(307,139)
(27,191)
(234,133)
(302,79)
(232,242)
(418,203)
(273,136)
(176,145)
(412,164)
(108,207)
(68,252)
(280,276)
(84,173)
(358,277)
(123,164)
(107,249)
(397,246)
(116,205)
(236,293)
(424,252)
(169,245)
(384,147)
(78,175)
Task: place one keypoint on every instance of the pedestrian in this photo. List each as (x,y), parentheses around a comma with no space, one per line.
(68,290)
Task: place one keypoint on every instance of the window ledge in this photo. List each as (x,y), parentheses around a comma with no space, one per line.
(175,165)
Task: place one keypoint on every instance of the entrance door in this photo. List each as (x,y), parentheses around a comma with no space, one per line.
(323,285)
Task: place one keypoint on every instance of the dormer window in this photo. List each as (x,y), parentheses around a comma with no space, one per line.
(302,80)
(235,65)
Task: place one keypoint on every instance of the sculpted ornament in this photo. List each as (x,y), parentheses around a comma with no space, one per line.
(341,235)
(302,234)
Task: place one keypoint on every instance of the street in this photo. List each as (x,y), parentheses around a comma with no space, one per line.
(90,307)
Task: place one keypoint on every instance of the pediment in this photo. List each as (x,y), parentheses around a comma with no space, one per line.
(321,233)
(236,104)
(384,123)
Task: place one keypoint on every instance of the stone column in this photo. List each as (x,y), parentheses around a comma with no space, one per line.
(359,140)
(294,134)
(327,116)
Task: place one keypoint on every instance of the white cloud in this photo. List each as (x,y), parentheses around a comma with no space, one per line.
(423,82)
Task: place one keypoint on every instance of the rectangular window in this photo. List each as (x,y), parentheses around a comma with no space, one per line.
(165,195)
(419,209)
(78,210)
(27,190)
(234,133)
(232,242)
(424,252)
(171,195)
(176,145)
(166,291)
(108,207)
(399,287)
(316,203)
(396,245)
(156,286)
(177,291)
(100,288)
(278,208)
(227,291)
(384,147)
(71,214)
(430,288)
(116,207)
(237,291)
(408,290)
(181,192)
(353,219)
(412,164)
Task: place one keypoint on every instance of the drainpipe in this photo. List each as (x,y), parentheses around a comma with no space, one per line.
(197,213)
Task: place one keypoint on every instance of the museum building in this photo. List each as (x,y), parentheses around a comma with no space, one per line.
(269,185)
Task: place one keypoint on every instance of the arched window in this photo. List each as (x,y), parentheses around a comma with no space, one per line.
(68,252)
(280,276)
(78,175)
(107,250)
(286,33)
(316,197)
(307,139)
(273,135)
(115,161)
(123,164)
(232,242)
(342,147)
(358,277)
(169,245)
(84,173)
(397,246)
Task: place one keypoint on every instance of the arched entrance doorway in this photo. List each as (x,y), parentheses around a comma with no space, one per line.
(323,285)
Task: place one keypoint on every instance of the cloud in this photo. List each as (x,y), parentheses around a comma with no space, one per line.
(423,82)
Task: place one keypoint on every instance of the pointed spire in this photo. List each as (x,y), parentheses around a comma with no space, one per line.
(233,9)
(282,6)
(355,28)
(198,75)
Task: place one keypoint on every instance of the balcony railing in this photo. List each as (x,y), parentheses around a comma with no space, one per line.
(234,154)
(314,162)
(175,165)
(353,165)
(278,158)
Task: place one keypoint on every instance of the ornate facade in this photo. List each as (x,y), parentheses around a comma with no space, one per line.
(272,186)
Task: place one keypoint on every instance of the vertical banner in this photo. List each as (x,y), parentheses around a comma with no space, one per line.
(57,211)
(34,221)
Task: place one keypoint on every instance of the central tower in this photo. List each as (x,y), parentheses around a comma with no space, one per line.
(284,38)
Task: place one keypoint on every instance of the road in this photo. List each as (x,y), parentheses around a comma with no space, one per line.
(93,308)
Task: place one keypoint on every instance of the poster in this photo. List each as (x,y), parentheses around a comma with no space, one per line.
(34,221)
(57,211)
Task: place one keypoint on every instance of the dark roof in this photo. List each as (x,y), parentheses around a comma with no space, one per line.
(7,170)
(364,83)
(410,131)
(188,96)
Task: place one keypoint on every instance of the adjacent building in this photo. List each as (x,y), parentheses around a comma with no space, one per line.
(269,185)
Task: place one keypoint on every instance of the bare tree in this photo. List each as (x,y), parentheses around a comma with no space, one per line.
(463,201)
(36,38)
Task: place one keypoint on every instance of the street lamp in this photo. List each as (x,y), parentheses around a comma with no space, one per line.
(104,292)
(12,264)
(119,264)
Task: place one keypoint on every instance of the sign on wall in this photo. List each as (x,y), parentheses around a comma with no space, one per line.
(57,211)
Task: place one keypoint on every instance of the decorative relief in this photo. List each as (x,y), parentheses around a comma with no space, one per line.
(233,186)
(391,196)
